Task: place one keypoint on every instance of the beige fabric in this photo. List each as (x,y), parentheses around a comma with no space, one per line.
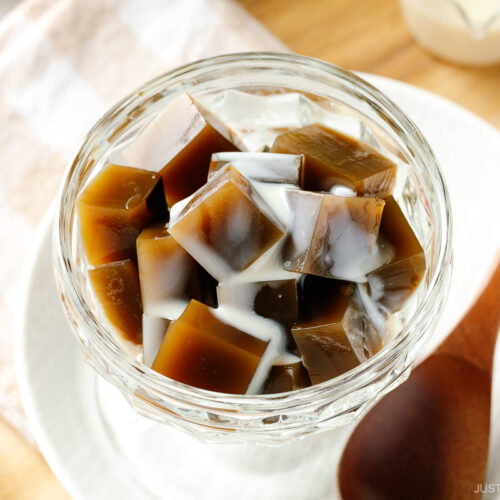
(62,64)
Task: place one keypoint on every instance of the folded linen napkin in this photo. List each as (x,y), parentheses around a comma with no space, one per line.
(62,64)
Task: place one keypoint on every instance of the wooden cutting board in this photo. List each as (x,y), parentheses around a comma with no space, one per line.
(362,35)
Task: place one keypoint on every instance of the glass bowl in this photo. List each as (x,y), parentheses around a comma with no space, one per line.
(261,94)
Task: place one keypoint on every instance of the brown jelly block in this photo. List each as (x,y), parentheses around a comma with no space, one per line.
(392,284)
(178,145)
(263,167)
(364,327)
(317,294)
(169,276)
(114,208)
(201,350)
(321,334)
(332,158)
(276,300)
(285,378)
(117,289)
(226,226)
(331,236)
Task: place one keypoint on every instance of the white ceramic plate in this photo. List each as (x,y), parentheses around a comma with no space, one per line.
(80,422)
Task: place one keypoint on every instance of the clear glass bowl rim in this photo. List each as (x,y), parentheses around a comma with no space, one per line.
(103,345)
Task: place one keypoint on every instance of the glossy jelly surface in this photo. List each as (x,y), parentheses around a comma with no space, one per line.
(272,269)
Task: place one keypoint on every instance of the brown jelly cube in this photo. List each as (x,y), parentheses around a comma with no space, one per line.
(392,284)
(113,209)
(276,300)
(285,378)
(321,333)
(363,323)
(332,236)
(332,158)
(263,167)
(117,289)
(178,145)
(169,276)
(226,226)
(201,350)
(317,294)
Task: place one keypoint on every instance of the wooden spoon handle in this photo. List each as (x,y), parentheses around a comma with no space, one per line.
(474,338)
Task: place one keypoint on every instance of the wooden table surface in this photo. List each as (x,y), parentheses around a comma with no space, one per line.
(371,36)
(361,35)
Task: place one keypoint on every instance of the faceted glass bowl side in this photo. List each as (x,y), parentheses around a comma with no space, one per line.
(319,91)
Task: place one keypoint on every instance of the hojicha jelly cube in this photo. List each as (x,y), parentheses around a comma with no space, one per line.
(321,333)
(201,350)
(332,158)
(316,295)
(364,325)
(169,276)
(263,167)
(114,208)
(178,145)
(276,300)
(393,283)
(153,331)
(332,236)
(226,226)
(117,289)
(285,378)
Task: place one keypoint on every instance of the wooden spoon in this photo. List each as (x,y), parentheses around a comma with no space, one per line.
(428,439)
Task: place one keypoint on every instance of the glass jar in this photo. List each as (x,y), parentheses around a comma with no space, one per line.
(460,31)
(302,84)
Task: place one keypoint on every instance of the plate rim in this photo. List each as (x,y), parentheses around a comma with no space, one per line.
(20,323)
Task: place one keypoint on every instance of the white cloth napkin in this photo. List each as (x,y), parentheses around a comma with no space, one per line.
(62,64)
